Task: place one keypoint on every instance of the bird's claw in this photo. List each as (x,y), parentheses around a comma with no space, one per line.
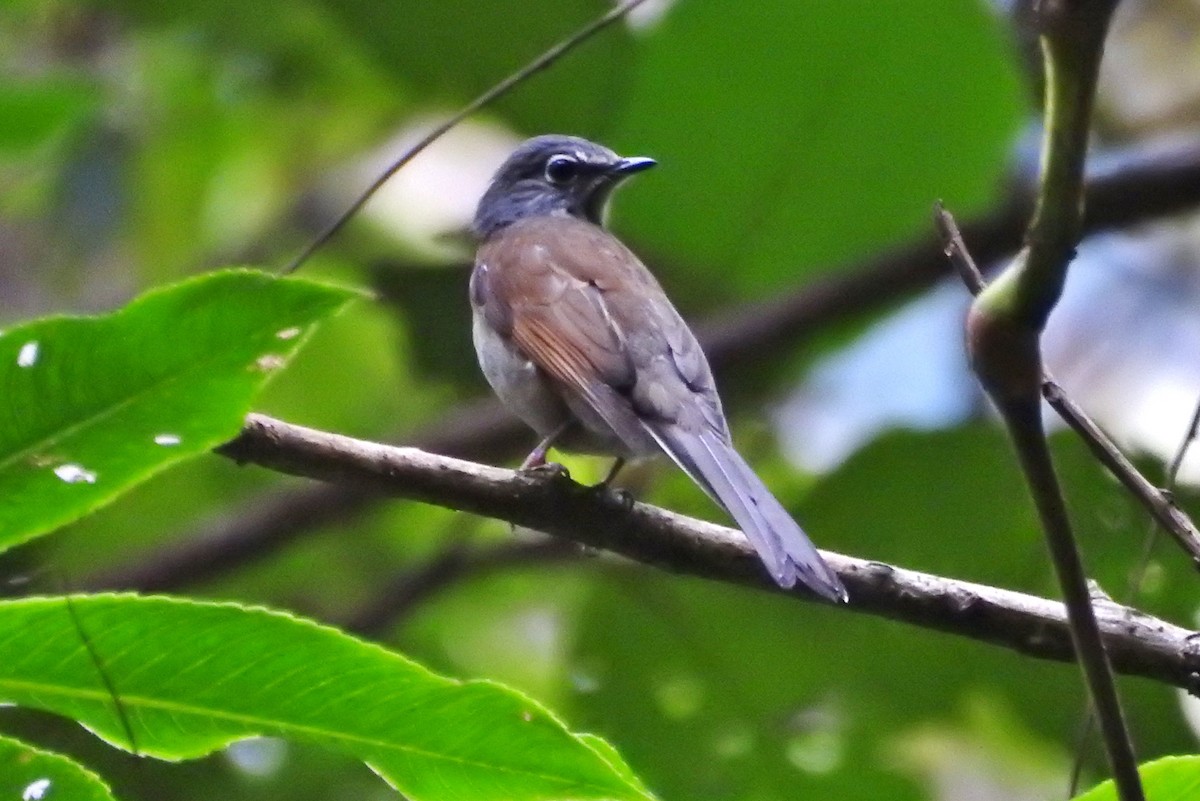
(615,495)
(545,470)
(624,498)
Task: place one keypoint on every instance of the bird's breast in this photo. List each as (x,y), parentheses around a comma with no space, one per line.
(521,387)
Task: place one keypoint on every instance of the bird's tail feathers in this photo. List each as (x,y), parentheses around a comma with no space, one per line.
(721,472)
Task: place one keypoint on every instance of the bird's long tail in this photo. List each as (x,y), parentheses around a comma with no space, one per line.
(784,548)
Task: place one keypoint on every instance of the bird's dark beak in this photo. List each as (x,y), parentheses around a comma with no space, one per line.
(631,165)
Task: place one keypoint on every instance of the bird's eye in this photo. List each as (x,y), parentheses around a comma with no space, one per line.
(561,169)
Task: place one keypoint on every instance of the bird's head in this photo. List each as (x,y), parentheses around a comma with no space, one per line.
(553,175)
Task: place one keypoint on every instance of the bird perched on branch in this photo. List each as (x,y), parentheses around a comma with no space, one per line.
(578,340)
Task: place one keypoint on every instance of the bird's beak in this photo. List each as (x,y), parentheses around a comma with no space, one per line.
(631,165)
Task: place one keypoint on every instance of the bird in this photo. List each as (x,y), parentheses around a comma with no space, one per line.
(578,339)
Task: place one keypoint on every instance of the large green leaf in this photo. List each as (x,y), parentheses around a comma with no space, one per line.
(31,774)
(91,406)
(794,135)
(192,677)
(417,40)
(1167,779)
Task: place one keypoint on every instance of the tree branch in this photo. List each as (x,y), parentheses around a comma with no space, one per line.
(1145,188)
(255,530)
(1004,328)
(1138,644)
(1157,502)
(1188,438)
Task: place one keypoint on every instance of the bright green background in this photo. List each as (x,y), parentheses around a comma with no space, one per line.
(151,141)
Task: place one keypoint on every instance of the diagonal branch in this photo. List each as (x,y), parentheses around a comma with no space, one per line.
(1146,188)
(1138,644)
(1158,502)
(1004,330)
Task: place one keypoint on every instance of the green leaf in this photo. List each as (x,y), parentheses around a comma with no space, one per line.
(795,135)
(192,677)
(952,503)
(416,41)
(90,407)
(1175,778)
(32,774)
(614,760)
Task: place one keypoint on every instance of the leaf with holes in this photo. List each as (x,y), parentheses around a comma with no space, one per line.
(90,406)
(191,677)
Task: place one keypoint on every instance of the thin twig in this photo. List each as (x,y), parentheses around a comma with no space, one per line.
(1138,644)
(956,249)
(1158,503)
(540,63)
(1161,505)
(1088,720)
(1184,445)
(1135,580)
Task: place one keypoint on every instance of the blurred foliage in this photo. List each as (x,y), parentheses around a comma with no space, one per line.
(141,142)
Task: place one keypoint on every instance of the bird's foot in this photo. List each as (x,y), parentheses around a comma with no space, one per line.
(544,469)
(537,456)
(605,488)
(621,497)
(616,496)
(534,461)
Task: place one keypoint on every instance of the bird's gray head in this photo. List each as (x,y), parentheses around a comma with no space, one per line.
(553,175)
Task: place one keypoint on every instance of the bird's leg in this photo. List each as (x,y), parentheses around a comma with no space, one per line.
(617,464)
(537,457)
(622,497)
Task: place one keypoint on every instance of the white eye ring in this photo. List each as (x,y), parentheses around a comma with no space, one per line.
(561,169)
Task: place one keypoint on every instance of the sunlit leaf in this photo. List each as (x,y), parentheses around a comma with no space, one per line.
(90,406)
(192,677)
(31,774)
(1167,779)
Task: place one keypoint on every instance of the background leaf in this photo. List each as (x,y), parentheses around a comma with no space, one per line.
(583,90)
(37,112)
(750,111)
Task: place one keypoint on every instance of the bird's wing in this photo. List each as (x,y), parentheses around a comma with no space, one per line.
(552,306)
(584,309)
